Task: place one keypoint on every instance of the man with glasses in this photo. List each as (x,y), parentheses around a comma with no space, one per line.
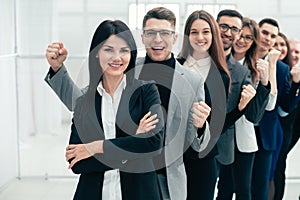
(230,25)
(181,92)
(174,83)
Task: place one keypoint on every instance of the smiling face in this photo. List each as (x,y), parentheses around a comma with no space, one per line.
(281,46)
(158,38)
(200,38)
(114,56)
(295,52)
(268,34)
(228,38)
(245,41)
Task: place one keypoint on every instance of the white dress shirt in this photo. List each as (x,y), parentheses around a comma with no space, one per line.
(200,66)
(109,107)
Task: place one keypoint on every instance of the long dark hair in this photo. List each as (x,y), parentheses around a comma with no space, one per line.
(106,29)
(216,49)
(85,115)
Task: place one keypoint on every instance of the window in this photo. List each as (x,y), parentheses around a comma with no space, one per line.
(213,9)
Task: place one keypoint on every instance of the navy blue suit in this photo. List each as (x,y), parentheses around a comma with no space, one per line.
(269,132)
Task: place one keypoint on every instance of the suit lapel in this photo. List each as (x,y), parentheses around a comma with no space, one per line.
(90,126)
(177,90)
(126,105)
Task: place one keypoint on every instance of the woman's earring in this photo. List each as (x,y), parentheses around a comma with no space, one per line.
(97,56)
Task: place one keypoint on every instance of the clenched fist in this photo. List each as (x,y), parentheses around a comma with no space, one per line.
(56,54)
(262,67)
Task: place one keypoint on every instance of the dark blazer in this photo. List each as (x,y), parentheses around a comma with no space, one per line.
(240,76)
(286,99)
(131,153)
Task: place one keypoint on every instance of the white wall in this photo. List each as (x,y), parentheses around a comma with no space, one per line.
(286,12)
(8,116)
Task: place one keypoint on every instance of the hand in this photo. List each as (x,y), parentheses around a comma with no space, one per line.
(295,73)
(200,113)
(273,56)
(247,94)
(262,67)
(79,152)
(56,54)
(147,123)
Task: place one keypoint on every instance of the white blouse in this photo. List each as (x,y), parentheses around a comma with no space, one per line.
(200,66)
(111,185)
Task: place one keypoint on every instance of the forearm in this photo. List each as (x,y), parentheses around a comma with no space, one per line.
(62,84)
(89,165)
(134,147)
(256,107)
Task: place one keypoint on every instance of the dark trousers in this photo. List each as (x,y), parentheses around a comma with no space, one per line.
(163,187)
(201,178)
(236,178)
(279,177)
(261,174)
(296,129)
(89,187)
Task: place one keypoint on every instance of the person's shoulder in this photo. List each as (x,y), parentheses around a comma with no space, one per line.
(235,65)
(79,104)
(281,65)
(142,84)
(190,76)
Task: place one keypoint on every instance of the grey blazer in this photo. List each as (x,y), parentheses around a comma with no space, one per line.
(187,88)
(254,111)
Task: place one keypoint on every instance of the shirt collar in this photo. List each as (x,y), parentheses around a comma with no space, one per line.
(122,85)
(191,61)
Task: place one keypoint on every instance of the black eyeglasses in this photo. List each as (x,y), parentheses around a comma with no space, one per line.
(225,27)
(162,33)
(247,38)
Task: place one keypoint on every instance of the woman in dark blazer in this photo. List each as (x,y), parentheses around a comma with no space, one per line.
(208,61)
(113,130)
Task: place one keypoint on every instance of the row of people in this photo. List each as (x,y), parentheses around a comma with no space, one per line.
(290,54)
(214,108)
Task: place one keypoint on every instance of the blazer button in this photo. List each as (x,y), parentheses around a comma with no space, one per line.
(124,161)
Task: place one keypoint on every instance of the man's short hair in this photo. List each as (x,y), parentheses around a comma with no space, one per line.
(160,13)
(271,21)
(230,13)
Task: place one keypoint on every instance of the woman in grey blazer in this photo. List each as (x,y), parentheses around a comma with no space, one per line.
(113,137)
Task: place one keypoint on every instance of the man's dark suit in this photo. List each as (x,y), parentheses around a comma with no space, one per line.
(254,111)
(240,76)
(268,131)
(131,154)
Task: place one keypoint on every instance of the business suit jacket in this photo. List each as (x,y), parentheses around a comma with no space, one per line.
(286,99)
(240,76)
(216,87)
(130,153)
(187,88)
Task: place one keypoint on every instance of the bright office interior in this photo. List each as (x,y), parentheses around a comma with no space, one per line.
(35,124)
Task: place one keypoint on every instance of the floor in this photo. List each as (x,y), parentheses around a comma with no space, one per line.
(45,179)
